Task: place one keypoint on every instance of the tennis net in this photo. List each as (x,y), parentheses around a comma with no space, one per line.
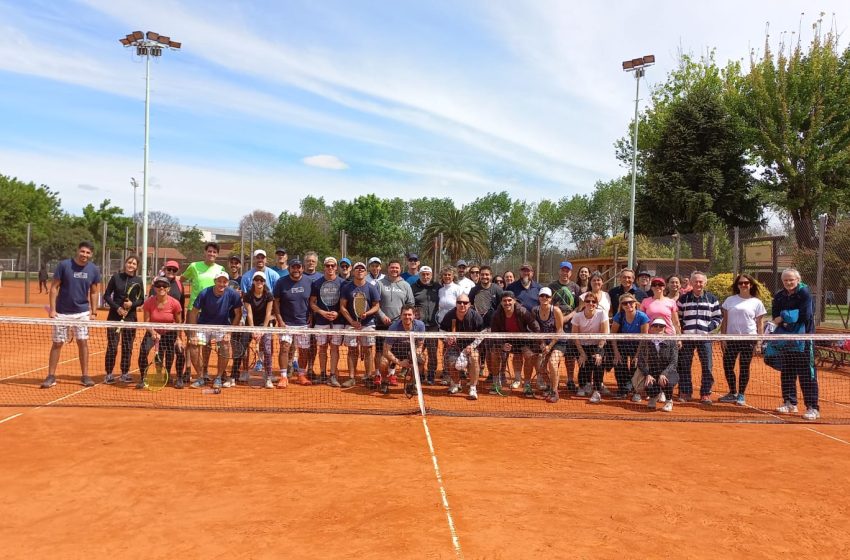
(516,372)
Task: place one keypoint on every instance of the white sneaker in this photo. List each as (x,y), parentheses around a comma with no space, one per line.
(636,397)
(650,404)
(662,398)
(787,408)
(585,390)
(473,393)
(668,406)
(269,383)
(595,397)
(811,414)
(605,390)
(228,384)
(454,389)
(516,384)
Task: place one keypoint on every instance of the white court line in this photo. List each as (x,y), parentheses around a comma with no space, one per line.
(826,435)
(455,540)
(838,439)
(45,367)
(12,417)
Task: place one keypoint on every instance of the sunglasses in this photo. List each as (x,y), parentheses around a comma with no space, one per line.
(170,269)
(344,266)
(259,280)
(629,303)
(547,296)
(161,287)
(656,326)
(474,271)
(590,301)
(463,303)
(656,285)
(744,283)
(330,266)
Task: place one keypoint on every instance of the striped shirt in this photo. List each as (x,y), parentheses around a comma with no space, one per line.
(699,314)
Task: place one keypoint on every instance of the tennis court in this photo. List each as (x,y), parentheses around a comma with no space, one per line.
(108,471)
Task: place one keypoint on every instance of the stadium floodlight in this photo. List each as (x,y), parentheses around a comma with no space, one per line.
(147,45)
(638,66)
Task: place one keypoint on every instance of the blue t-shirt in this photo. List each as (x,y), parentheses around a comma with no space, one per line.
(402,345)
(75,285)
(526,296)
(217,310)
(641,318)
(370,291)
(294,299)
(411,278)
(332,304)
(280,272)
(247,279)
(314,276)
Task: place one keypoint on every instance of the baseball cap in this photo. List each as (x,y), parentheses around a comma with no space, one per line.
(526,266)
(426,269)
(461,262)
(234,258)
(221,274)
(566,264)
(280,251)
(258,274)
(658,280)
(329,260)
(359,264)
(345,260)
(161,280)
(643,273)
(413,257)
(172,264)
(375,260)
(295,262)
(658,321)
(259,252)
(545,292)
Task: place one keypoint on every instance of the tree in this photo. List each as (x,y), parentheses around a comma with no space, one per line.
(372,228)
(576,211)
(259,222)
(22,203)
(463,235)
(610,205)
(93,219)
(302,233)
(418,213)
(168,226)
(190,242)
(493,210)
(696,172)
(798,115)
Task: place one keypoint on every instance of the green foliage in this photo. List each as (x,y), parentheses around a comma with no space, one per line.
(493,210)
(300,233)
(645,248)
(190,242)
(609,206)
(22,203)
(415,215)
(696,171)
(93,220)
(798,117)
(721,286)
(372,227)
(463,236)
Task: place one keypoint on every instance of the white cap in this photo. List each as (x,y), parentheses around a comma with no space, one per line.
(375,260)
(259,252)
(258,274)
(658,321)
(545,292)
(426,269)
(221,274)
(358,264)
(329,260)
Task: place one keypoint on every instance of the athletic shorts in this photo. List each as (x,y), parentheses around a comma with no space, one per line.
(335,339)
(81,332)
(352,341)
(204,337)
(301,340)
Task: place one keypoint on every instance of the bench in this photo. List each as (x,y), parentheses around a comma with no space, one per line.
(831,354)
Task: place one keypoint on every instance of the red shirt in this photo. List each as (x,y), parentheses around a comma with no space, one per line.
(511,323)
(166,313)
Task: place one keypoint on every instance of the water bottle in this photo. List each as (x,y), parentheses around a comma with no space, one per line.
(211,391)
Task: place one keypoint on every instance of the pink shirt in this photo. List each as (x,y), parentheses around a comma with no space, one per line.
(166,314)
(664,308)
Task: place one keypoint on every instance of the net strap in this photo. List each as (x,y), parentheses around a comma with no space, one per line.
(414,360)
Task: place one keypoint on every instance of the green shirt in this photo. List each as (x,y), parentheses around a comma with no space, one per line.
(200,275)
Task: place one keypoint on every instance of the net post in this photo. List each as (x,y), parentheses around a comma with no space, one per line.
(414,361)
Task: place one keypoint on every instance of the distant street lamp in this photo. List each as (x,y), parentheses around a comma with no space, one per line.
(147,45)
(638,66)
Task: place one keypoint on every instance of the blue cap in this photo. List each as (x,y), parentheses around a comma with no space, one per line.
(345,260)
(566,264)
(413,257)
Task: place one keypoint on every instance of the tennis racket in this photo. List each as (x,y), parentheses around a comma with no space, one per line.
(132,294)
(232,348)
(482,302)
(359,304)
(156,376)
(235,285)
(329,294)
(409,383)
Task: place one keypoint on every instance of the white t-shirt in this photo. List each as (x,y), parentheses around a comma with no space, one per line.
(592,325)
(466,284)
(448,299)
(604,301)
(741,314)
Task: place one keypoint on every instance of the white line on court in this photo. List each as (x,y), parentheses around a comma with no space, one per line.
(455,540)
(12,417)
(826,435)
(45,367)
(838,439)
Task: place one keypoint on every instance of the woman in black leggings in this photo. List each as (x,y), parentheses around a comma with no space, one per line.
(122,308)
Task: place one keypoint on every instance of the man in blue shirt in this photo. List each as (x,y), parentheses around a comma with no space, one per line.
(259,266)
(217,305)
(412,272)
(281,266)
(73,297)
(525,289)
(291,304)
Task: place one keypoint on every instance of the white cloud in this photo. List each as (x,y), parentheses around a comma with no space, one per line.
(325,162)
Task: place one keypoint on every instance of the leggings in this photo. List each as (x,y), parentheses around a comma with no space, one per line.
(589,371)
(735,348)
(167,349)
(127,335)
(265,348)
(625,370)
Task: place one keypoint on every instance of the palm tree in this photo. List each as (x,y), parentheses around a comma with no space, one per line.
(463,235)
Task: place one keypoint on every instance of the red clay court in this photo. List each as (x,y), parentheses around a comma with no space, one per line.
(113,472)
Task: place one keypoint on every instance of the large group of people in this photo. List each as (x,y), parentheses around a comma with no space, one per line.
(352,302)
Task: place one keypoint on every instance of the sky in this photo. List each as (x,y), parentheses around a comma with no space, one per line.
(269,101)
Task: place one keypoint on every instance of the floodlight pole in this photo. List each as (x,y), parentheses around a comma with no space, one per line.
(147,45)
(638,65)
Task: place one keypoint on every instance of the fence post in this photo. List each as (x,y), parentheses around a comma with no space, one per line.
(537,261)
(678,253)
(242,244)
(27,270)
(104,268)
(820,310)
(736,252)
(126,241)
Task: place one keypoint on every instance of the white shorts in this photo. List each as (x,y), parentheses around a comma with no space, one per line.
(301,340)
(353,340)
(204,337)
(81,332)
(336,339)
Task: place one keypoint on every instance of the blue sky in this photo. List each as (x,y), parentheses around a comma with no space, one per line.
(270,101)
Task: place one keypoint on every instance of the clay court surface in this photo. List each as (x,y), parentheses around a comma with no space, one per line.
(118,482)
